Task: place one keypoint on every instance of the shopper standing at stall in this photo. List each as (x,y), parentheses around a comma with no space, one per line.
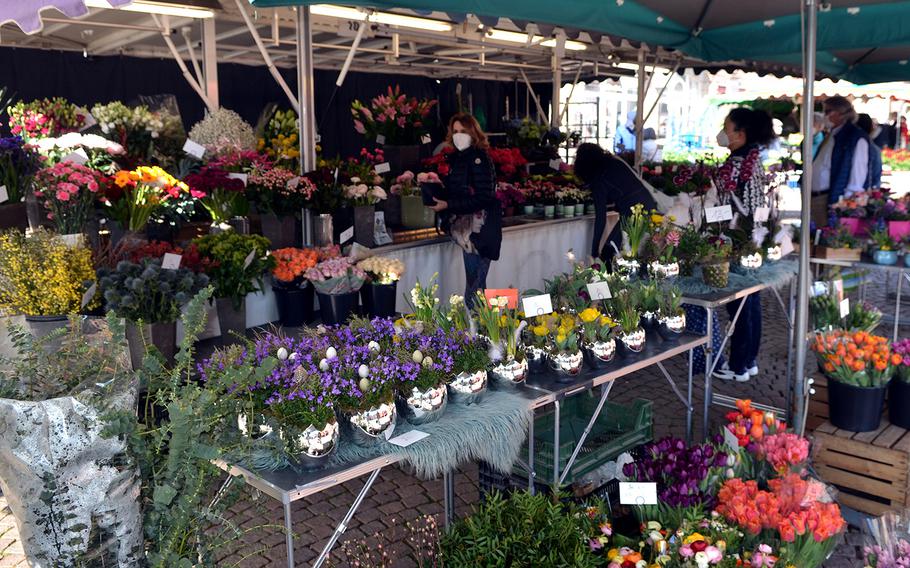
(745,133)
(872,130)
(469,211)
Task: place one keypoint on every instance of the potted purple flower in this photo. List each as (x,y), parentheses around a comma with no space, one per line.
(18,166)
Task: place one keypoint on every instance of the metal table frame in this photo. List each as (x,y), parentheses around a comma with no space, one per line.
(555,393)
(902,271)
(711,302)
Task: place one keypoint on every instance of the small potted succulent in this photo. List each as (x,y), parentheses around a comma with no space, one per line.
(714,257)
(293,293)
(598,344)
(884,248)
(634,227)
(379,293)
(631,335)
(672,315)
(337,282)
(566,357)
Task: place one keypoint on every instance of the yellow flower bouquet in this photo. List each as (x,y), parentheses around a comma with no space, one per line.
(40,275)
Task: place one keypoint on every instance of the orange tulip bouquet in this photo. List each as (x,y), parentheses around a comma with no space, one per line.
(290,264)
(856,358)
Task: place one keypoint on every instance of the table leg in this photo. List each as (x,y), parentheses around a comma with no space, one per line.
(531,473)
(690,410)
(897,307)
(709,366)
(343,525)
(581,440)
(289,534)
(556,445)
(448,496)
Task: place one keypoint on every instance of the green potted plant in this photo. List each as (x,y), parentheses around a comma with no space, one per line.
(537,342)
(672,316)
(471,359)
(661,246)
(633,227)
(690,242)
(502,328)
(566,357)
(150,298)
(598,344)
(238,264)
(649,305)
(825,311)
(836,243)
(626,310)
(884,247)
(747,255)
(714,256)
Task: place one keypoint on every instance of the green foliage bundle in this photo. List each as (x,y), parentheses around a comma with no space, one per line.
(230,272)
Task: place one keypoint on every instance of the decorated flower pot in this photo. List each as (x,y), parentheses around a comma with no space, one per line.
(232,319)
(857,227)
(295,305)
(885,257)
(579,209)
(627,268)
(560,210)
(899,403)
(280,231)
(663,271)
(373,424)
(750,262)
(773,254)
(335,309)
(364,224)
(468,388)
(255,427)
(163,336)
(855,409)
(312,447)
(671,328)
(549,211)
(649,321)
(632,343)
(379,299)
(416,215)
(717,274)
(537,358)
(510,372)
(420,407)
(600,353)
(566,365)
(568,210)
(898,230)
(528,210)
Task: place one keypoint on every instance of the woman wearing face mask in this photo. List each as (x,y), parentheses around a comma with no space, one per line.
(745,133)
(470,212)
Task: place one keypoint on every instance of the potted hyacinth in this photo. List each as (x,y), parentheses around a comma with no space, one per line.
(364,199)
(598,344)
(414,214)
(293,294)
(378,295)
(337,281)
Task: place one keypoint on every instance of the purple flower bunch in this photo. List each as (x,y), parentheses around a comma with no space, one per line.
(686,476)
(902,348)
(18,165)
(896,556)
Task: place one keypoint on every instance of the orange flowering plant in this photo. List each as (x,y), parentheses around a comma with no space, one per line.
(135,195)
(291,263)
(856,358)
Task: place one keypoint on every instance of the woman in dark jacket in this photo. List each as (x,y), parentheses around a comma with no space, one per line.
(611,182)
(470,212)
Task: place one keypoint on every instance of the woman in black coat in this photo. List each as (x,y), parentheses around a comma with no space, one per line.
(611,182)
(469,211)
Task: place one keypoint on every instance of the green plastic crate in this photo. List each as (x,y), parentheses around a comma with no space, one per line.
(618,429)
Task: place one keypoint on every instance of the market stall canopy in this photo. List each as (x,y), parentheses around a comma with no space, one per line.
(791,89)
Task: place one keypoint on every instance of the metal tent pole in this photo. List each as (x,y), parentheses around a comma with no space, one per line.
(307,102)
(802,306)
(639,107)
(210,60)
(556,62)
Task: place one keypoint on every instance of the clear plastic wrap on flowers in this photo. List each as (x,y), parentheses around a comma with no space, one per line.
(336,276)
(889,540)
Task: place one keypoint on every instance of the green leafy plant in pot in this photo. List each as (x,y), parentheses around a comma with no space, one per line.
(237,266)
(502,328)
(884,247)
(471,359)
(626,311)
(671,315)
(150,298)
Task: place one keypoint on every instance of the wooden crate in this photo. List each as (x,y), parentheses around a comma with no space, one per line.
(869,469)
(818,404)
(837,253)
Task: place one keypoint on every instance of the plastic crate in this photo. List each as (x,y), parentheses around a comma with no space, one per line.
(618,428)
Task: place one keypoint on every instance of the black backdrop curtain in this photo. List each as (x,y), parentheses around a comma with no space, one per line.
(34,73)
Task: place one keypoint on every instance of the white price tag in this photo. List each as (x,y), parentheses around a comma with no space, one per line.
(77,157)
(171,261)
(383,168)
(4,195)
(346,235)
(637,493)
(845,307)
(730,439)
(249,259)
(388,433)
(555,164)
(73,239)
(380,139)
(718,214)
(426,139)
(241,177)
(599,291)
(194,149)
(837,287)
(762,214)
(408,438)
(818,236)
(537,305)
(380,234)
(89,294)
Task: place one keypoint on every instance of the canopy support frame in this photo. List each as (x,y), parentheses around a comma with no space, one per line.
(273,70)
(165,34)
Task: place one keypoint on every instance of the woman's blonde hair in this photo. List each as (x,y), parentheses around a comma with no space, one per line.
(472,127)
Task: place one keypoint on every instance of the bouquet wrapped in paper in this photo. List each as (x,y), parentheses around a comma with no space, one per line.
(336,276)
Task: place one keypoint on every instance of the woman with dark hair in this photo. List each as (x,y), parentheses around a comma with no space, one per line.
(470,212)
(865,123)
(745,132)
(611,182)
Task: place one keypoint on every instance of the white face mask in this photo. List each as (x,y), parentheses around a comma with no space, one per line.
(723,139)
(462,140)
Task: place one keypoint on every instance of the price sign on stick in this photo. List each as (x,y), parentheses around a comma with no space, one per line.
(718,214)
(346,235)
(171,261)
(194,149)
(599,291)
(845,308)
(383,168)
(637,493)
(4,195)
(537,305)
(89,294)
(380,139)
(510,295)
(425,139)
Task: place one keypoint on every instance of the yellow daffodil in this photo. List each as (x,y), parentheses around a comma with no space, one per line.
(606,321)
(589,314)
(560,338)
(540,330)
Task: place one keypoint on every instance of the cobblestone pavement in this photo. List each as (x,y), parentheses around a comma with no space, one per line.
(397,497)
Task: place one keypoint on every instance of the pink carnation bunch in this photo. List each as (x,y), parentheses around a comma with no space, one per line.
(68,191)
